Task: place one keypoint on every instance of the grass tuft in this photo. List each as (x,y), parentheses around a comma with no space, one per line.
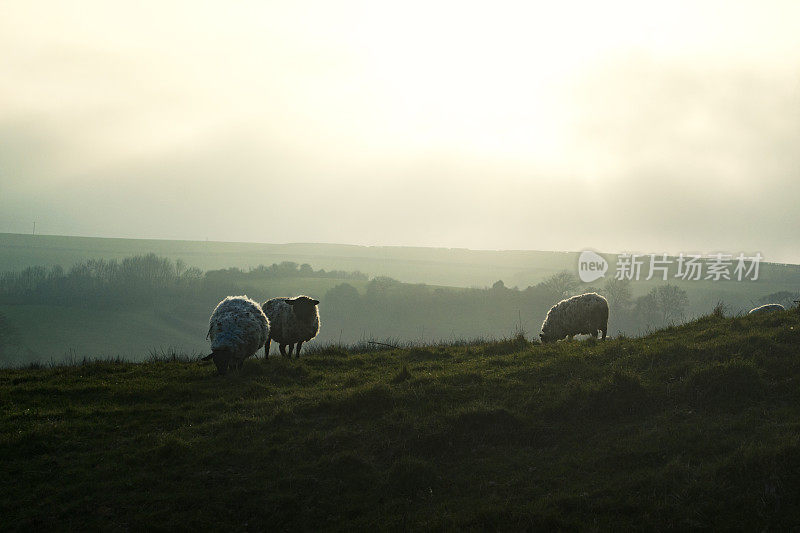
(720,310)
(514,344)
(403,375)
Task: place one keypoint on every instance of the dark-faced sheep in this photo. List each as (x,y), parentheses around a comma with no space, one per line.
(293,321)
(585,314)
(238,328)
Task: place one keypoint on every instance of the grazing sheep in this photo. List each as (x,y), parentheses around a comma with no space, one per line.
(294,321)
(237,329)
(582,314)
(767,309)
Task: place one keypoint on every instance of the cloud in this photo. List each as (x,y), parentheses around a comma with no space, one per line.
(297,125)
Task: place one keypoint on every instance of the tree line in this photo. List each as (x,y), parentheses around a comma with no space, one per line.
(417,312)
(142,279)
(383,308)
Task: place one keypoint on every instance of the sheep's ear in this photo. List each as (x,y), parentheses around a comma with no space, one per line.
(291,301)
(315,302)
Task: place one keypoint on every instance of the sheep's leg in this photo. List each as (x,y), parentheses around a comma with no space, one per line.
(266,348)
(283,349)
(297,351)
(291,349)
(604,334)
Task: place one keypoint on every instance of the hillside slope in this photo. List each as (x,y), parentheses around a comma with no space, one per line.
(692,426)
(458,267)
(436,266)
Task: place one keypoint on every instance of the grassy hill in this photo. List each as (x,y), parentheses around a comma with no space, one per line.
(456,267)
(436,266)
(696,426)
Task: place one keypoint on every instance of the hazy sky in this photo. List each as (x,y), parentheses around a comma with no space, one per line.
(642,126)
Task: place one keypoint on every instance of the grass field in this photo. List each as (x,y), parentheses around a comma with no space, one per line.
(696,426)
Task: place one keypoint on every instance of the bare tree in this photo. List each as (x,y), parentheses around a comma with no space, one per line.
(670,302)
(618,293)
(660,306)
(560,285)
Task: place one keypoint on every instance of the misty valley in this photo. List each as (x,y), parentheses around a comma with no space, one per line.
(140,306)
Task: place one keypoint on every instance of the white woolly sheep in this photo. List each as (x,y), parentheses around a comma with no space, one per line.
(768,308)
(582,314)
(293,320)
(238,328)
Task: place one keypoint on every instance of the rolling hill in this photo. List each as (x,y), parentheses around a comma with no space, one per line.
(696,426)
(456,267)
(59,330)
(436,266)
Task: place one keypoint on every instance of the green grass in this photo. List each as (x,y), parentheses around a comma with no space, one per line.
(61,333)
(696,426)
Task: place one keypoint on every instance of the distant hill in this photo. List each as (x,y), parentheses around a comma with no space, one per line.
(458,267)
(48,329)
(690,427)
(436,266)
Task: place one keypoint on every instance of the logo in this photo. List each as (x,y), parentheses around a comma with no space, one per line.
(591,266)
(691,267)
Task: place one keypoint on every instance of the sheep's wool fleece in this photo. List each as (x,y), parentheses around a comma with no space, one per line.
(286,326)
(582,314)
(239,326)
(767,309)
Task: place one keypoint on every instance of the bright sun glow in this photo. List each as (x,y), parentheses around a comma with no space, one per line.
(409,100)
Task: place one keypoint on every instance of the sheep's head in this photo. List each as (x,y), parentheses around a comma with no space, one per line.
(221,358)
(546,338)
(549,332)
(304,307)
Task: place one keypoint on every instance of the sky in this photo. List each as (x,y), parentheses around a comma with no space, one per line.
(614,126)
